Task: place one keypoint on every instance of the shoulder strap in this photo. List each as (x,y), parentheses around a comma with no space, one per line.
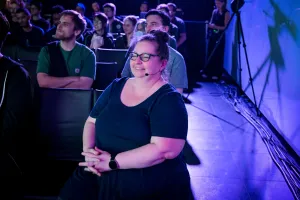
(58,67)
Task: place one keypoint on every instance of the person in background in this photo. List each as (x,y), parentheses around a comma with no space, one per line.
(99,38)
(140,28)
(124,41)
(66,63)
(179,23)
(81,9)
(173,29)
(144,7)
(176,69)
(115,25)
(50,35)
(219,20)
(28,35)
(96,8)
(16,105)
(36,19)
(134,136)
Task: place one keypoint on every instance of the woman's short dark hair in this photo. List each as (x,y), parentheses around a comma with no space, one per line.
(79,21)
(159,37)
(102,17)
(131,18)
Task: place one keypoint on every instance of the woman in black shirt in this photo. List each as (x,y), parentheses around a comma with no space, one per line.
(219,20)
(99,38)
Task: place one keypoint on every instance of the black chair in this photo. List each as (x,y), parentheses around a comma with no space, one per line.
(97,94)
(112,55)
(30,66)
(62,114)
(106,72)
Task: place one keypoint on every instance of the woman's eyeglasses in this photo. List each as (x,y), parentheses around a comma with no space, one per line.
(144,56)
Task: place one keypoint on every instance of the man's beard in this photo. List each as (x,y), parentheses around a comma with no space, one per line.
(64,38)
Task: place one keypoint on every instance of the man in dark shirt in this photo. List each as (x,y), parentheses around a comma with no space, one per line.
(115,25)
(37,20)
(27,35)
(179,23)
(15,108)
(81,9)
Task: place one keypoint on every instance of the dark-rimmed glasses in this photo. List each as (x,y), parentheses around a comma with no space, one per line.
(144,56)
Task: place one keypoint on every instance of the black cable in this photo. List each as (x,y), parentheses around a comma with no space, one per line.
(288,165)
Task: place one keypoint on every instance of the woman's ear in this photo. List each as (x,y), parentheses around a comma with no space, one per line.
(164,64)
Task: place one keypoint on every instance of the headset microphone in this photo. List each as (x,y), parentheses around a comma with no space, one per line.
(147,74)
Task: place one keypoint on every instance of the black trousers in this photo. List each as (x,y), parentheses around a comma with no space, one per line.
(216,63)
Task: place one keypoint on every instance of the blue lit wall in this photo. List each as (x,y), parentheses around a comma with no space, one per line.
(272,35)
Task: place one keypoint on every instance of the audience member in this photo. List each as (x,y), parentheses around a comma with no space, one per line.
(173,30)
(179,23)
(134,136)
(81,9)
(15,107)
(27,35)
(144,7)
(140,28)
(36,19)
(123,41)
(66,63)
(176,68)
(115,25)
(219,20)
(96,8)
(99,38)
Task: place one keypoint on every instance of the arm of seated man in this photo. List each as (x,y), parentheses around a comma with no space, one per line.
(81,83)
(47,81)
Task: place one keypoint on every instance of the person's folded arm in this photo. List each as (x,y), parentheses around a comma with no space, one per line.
(46,81)
(81,83)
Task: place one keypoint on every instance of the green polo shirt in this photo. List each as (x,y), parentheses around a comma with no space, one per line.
(80,61)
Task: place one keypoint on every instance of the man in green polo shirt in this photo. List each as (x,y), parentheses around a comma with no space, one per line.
(67,64)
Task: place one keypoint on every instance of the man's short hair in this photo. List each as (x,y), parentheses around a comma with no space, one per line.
(37,4)
(57,9)
(163,6)
(173,6)
(111,6)
(23,10)
(79,21)
(164,17)
(4,27)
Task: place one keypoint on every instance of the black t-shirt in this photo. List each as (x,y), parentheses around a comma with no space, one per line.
(116,26)
(34,38)
(42,23)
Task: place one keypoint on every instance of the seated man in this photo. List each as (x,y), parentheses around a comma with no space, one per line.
(115,25)
(28,35)
(15,107)
(37,20)
(176,68)
(66,63)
